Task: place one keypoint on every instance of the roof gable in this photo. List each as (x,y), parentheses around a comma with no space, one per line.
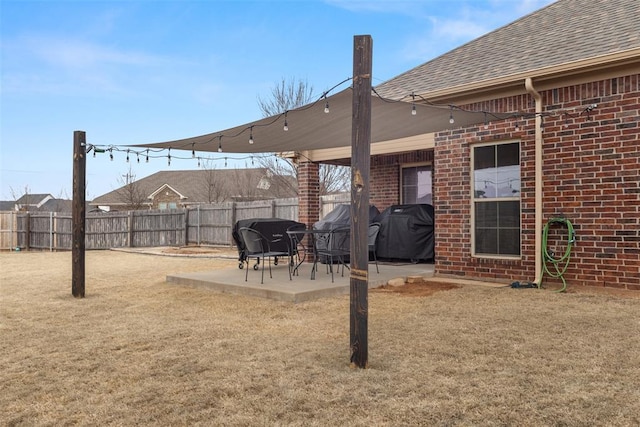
(563,32)
(166,187)
(33,199)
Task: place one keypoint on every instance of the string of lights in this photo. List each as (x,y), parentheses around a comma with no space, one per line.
(151,153)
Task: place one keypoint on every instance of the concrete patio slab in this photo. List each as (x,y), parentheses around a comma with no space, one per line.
(300,287)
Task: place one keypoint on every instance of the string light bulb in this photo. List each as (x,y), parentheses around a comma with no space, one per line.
(326,105)
(127,155)
(198,161)
(147,158)
(486,123)
(413,104)
(111,154)
(286,125)
(451,119)
(169,157)
(251,135)
(220,144)
(193,150)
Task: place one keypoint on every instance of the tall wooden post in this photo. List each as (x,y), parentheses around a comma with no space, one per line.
(360,164)
(78,213)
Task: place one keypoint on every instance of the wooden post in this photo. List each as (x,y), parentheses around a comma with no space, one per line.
(360,164)
(130,221)
(27,231)
(78,213)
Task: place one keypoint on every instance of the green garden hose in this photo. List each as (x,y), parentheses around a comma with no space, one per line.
(549,257)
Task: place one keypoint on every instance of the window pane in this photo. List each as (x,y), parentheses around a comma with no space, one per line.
(484,172)
(508,181)
(417,185)
(508,154)
(486,241)
(408,195)
(409,177)
(486,214)
(509,242)
(484,157)
(509,214)
(424,185)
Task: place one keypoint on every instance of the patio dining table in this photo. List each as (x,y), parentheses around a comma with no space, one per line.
(304,241)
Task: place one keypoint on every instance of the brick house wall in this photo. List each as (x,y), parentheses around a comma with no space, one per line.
(591,175)
(167,195)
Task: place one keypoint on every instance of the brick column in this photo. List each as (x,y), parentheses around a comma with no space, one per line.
(308,193)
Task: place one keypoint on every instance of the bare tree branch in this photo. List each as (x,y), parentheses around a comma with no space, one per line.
(130,193)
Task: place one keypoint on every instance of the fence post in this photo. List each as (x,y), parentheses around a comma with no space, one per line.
(185,223)
(50,231)
(130,229)
(233,221)
(27,231)
(198,229)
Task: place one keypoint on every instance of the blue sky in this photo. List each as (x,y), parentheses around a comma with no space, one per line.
(130,72)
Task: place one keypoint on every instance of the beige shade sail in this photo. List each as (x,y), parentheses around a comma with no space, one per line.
(311,128)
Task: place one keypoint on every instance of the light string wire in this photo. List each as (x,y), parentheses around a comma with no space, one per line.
(153,153)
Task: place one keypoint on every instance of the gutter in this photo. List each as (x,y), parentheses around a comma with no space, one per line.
(528,83)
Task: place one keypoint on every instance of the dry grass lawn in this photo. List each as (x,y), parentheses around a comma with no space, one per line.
(139,351)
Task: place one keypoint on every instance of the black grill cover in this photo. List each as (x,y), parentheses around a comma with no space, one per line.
(406,233)
(271,228)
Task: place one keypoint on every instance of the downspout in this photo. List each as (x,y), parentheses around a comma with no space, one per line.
(528,83)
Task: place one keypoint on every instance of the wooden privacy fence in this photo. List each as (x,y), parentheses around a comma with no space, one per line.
(199,225)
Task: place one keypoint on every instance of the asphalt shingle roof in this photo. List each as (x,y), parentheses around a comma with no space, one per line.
(563,32)
(191,184)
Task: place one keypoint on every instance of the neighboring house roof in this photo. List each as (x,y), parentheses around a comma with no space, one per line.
(564,33)
(193,186)
(7,205)
(33,200)
(56,205)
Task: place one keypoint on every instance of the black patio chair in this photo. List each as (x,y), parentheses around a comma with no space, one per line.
(258,246)
(334,246)
(372,238)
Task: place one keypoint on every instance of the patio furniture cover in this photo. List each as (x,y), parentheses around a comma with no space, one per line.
(339,217)
(407,233)
(274,229)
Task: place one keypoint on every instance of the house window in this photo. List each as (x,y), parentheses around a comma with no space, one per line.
(417,184)
(164,205)
(496,199)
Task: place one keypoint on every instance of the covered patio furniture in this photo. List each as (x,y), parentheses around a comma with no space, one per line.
(274,229)
(259,246)
(407,233)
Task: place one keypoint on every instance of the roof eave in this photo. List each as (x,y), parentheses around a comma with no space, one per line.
(546,77)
